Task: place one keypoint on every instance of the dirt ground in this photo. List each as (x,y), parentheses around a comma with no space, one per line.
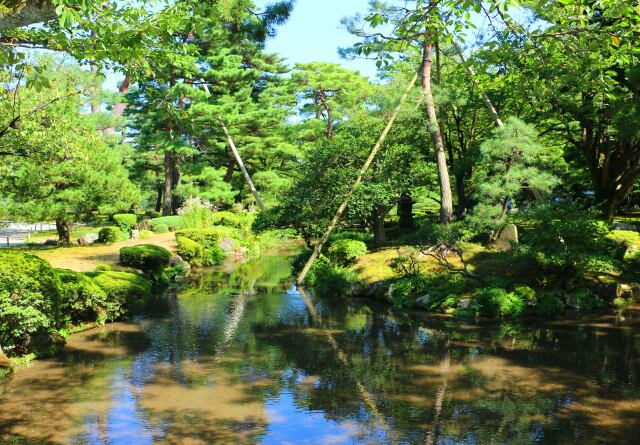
(86,258)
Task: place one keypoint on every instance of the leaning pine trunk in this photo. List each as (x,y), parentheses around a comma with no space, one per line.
(168,183)
(446,200)
(64,234)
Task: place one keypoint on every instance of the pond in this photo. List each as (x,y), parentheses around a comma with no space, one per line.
(240,356)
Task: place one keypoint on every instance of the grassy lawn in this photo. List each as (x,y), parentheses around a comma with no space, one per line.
(86,258)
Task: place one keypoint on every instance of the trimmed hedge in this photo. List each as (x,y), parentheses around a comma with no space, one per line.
(29,293)
(125,221)
(190,251)
(172,222)
(108,235)
(230,219)
(208,239)
(82,300)
(126,290)
(146,257)
(346,252)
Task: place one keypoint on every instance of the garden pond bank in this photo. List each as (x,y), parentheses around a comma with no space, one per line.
(239,355)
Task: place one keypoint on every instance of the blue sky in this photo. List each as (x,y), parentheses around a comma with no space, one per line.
(314,34)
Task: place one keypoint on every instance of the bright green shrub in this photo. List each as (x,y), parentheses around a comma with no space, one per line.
(160,228)
(299,261)
(347,251)
(334,280)
(242,220)
(109,235)
(144,234)
(207,238)
(365,237)
(125,291)
(125,221)
(29,293)
(190,251)
(103,268)
(146,257)
(497,301)
(172,222)
(81,299)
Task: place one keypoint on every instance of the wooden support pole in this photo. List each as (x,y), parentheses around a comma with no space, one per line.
(236,156)
(243,169)
(358,181)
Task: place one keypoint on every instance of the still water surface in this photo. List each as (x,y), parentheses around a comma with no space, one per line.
(241,357)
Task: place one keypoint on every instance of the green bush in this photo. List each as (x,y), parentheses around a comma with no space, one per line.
(103,268)
(547,303)
(109,235)
(125,221)
(332,280)
(29,294)
(144,234)
(146,257)
(172,222)
(207,238)
(241,221)
(126,291)
(160,228)
(365,237)
(495,301)
(346,252)
(81,299)
(405,290)
(190,251)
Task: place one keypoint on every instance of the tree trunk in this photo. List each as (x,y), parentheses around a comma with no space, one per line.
(159,191)
(168,183)
(405,211)
(446,200)
(377,223)
(231,166)
(176,201)
(64,234)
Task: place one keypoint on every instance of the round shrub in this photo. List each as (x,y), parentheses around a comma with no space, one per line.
(29,293)
(346,252)
(125,290)
(144,234)
(103,268)
(108,235)
(146,257)
(160,228)
(125,221)
(190,251)
(81,299)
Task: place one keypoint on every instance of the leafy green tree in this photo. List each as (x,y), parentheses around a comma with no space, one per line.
(325,92)
(510,162)
(58,165)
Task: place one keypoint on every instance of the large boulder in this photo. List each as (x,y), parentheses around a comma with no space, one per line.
(88,239)
(507,238)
